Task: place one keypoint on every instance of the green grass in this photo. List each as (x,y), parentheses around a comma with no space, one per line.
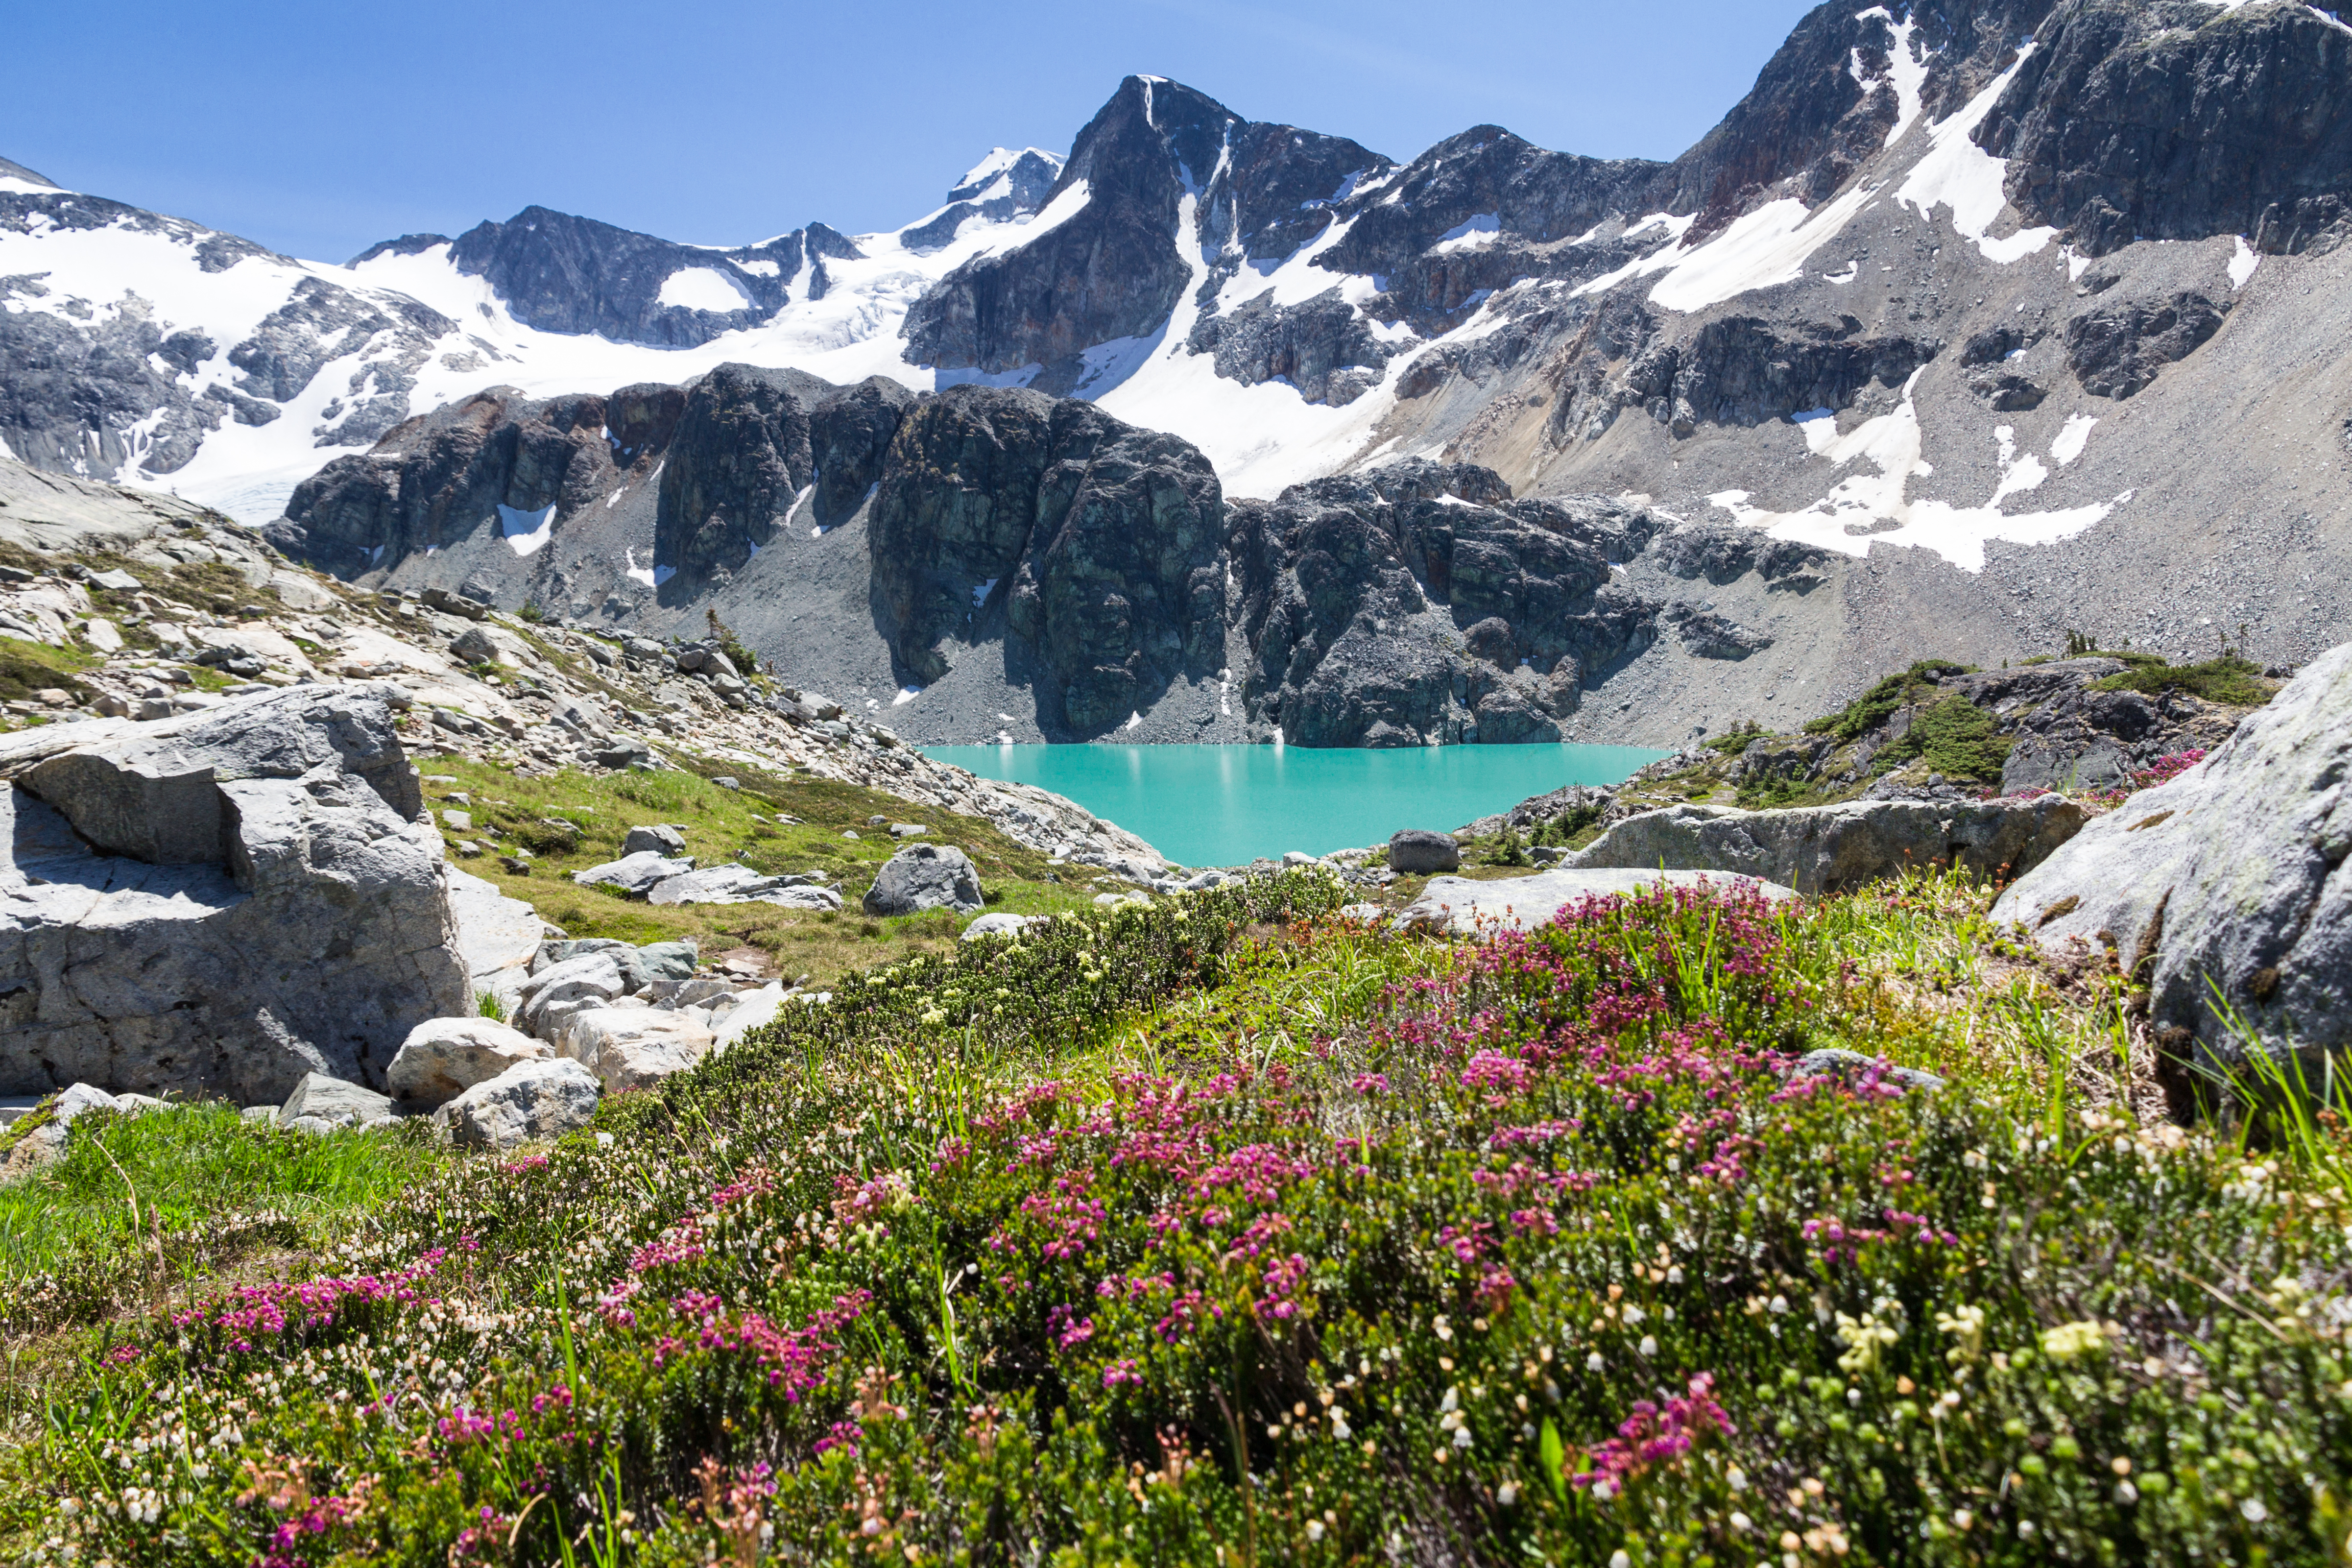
(1954,738)
(29,667)
(598,810)
(155,1201)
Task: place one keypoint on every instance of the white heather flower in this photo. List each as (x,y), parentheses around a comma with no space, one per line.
(1619,1560)
(1649,1345)
(1593,1362)
(1963,1518)
(1339,1427)
(1741,1522)
(1506,1494)
(1462,1436)
(1453,1400)
(1314,1530)
(1779,1307)
(1634,1315)
(2253,1509)
(1737,1479)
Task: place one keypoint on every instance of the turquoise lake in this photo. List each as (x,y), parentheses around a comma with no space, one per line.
(1221,806)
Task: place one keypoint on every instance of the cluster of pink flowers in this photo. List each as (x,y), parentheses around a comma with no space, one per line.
(1652,1437)
(273,1310)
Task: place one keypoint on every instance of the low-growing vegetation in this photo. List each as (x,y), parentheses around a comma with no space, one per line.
(1223,1230)
(569,820)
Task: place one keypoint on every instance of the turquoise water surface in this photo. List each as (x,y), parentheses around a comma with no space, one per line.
(1221,806)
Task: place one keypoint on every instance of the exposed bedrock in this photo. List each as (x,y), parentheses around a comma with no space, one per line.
(2176,119)
(221,902)
(1419,602)
(2224,893)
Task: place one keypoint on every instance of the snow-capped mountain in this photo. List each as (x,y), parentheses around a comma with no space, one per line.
(2030,311)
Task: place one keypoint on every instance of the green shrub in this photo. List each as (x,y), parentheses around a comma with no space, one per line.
(1878,704)
(2231,680)
(1956,738)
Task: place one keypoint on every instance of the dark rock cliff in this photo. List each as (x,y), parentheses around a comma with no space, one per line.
(566,274)
(1419,603)
(2174,120)
(1096,542)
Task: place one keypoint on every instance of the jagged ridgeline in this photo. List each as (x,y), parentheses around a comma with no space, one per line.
(2020,316)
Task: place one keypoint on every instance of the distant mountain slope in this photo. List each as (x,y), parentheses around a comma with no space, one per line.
(2023,316)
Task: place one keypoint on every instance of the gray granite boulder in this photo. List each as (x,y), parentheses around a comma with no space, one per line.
(635,1047)
(734,884)
(529,1100)
(1421,851)
(636,873)
(1460,906)
(657,836)
(222,901)
(925,876)
(2226,891)
(996,925)
(1831,848)
(335,1102)
(443,1057)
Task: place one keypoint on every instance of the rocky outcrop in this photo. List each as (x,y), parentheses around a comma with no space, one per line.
(1418,602)
(734,468)
(1094,541)
(2116,347)
(1746,370)
(223,902)
(566,274)
(1837,848)
(1322,347)
(1007,184)
(2178,121)
(2224,894)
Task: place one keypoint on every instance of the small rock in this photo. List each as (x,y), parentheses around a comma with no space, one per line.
(727,783)
(658,836)
(115,582)
(1849,1067)
(529,1100)
(334,1101)
(998,924)
(52,697)
(925,876)
(908,830)
(1369,914)
(1297,857)
(443,1057)
(1419,851)
(458,821)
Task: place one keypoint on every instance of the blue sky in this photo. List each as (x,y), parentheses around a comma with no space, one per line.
(319,128)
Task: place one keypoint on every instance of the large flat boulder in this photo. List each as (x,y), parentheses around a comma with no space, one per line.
(220,902)
(1459,905)
(636,874)
(925,876)
(1821,850)
(2226,891)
